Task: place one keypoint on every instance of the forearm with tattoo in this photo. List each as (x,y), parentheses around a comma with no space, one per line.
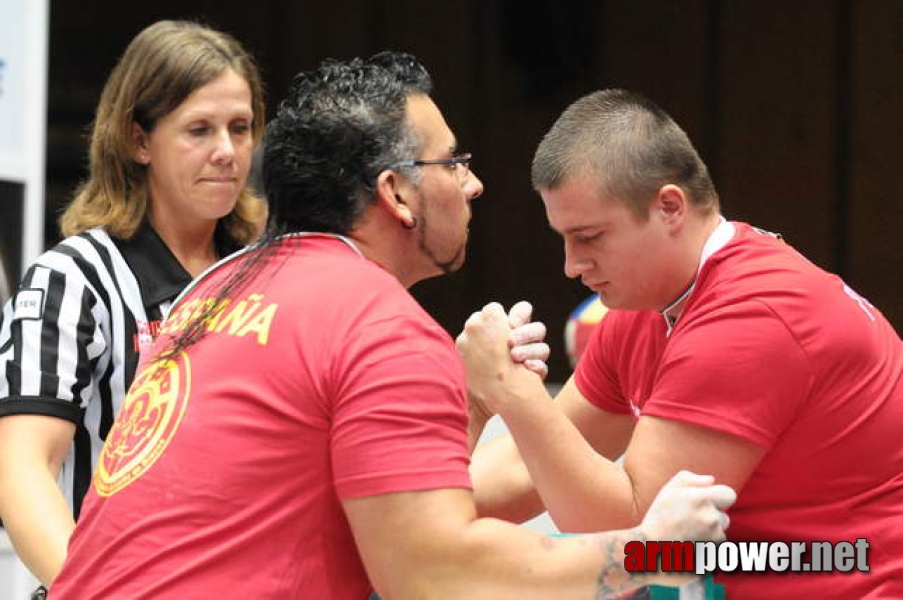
(614,580)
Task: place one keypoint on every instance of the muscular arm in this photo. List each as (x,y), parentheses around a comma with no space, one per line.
(34,512)
(583,490)
(431,545)
(501,482)
(567,445)
(503,487)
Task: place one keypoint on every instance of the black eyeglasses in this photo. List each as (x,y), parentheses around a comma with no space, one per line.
(460,163)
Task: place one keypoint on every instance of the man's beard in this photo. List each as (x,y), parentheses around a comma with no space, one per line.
(445,266)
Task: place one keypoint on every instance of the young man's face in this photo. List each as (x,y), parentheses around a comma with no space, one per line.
(628,261)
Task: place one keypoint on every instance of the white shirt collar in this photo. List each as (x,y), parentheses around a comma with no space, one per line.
(321,234)
(715,242)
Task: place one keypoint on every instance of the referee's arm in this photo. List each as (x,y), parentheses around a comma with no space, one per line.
(34,512)
(45,333)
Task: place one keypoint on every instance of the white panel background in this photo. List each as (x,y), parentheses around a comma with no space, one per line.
(23,110)
(23,117)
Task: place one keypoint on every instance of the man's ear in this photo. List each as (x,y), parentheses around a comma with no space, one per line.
(139,145)
(393,193)
(672,204)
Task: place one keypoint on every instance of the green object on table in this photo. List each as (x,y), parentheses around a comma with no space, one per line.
(713,591)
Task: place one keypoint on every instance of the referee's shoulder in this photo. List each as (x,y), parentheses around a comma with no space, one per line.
(84,246)
(96,237)
(88,258)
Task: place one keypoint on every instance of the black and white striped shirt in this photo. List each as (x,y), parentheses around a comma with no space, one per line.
(71,336)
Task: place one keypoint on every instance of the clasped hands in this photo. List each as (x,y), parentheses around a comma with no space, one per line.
(499,349)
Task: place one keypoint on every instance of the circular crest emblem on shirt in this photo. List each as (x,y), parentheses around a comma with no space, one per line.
(146,423)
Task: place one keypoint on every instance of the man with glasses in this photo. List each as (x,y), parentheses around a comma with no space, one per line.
(303,428)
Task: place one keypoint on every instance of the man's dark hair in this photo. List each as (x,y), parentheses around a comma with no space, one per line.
(340,126)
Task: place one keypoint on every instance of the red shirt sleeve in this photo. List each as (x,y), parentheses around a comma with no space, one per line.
(596,374)
(400,421)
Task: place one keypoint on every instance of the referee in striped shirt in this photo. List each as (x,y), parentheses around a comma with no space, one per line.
(166,197)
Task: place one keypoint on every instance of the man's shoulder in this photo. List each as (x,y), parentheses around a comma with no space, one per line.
(343,268)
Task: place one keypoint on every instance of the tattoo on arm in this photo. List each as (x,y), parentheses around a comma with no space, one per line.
(614,580)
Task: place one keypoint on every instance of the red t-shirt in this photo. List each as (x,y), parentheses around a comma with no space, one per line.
(321,380)
(776,351)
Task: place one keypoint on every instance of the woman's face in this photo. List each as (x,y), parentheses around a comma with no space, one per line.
(198,156)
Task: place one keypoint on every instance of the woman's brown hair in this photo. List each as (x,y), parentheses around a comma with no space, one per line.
(161,67)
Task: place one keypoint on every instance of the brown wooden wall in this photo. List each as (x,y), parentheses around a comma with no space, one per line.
(796,106)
